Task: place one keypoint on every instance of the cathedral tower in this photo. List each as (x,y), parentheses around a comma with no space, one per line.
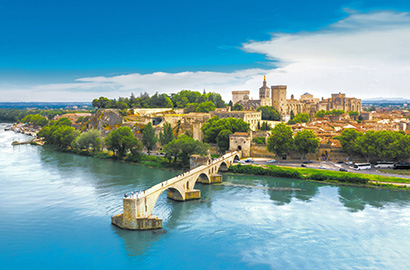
(264,94)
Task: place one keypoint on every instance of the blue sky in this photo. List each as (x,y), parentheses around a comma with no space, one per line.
(78,50)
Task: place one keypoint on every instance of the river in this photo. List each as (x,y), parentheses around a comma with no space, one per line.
(56,207)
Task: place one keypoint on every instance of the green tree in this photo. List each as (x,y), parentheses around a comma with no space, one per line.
(190,147)
(237,107)
(63,121)
(121,105)
(35,119)
(215,125)
(148,137)
(265,126)
(269,113)
(172,150)
(305,142)
(320,114)
(89,139)
(46,133)
(121,141)
(215,98)
(348,141)
(354,114)
(400,148)
(365,145)
(59,133)
(167,136)
(190,107)
(184,147)
(80,119)
(161,101)
(206,107)
(222,140)
(280,141)
(102,102)
(301,118)
(292,115)
(177,128)
(63,136)
(335,112)
(259,140)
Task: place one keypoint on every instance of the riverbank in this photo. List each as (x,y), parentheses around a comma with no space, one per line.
(331,177)
(316,175)
(142,160)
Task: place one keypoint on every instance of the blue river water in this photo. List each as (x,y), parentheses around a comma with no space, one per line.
(55,211)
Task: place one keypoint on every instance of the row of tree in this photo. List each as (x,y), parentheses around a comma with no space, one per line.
(269,113)
(299,118)
(376,145)
(122,141)
(16,115)
(188,99)
(35,119)
(281,141)
(323,113)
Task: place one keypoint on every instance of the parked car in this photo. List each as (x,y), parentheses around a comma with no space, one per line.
(303,165)
(310,161)
(402,166)
(340,162)
(271,161)
(249,160)
(349,163)
(241,162)
(342,170)
(322,167)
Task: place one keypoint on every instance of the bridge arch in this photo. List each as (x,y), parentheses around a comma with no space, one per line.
(203,178)
(175,193)
(223,166)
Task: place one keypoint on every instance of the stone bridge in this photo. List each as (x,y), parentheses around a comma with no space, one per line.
(137,209)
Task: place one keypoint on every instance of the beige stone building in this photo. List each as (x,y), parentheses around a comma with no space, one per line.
(240,96)
(276,96)
(250,117)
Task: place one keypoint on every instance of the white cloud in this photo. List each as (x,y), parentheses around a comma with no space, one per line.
(363,55)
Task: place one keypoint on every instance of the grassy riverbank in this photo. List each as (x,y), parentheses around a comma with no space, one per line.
(142,159)
(333,177)
(401,172)
(336,174)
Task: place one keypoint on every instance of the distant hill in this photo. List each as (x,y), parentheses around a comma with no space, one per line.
(380,100)
(43,105)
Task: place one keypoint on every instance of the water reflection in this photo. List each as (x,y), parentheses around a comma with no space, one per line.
(356,198)
(136,243)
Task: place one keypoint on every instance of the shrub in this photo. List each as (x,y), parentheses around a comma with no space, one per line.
(275,172)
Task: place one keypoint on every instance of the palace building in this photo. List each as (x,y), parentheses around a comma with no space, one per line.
(276,96)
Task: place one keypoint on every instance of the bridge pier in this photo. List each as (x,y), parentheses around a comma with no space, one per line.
(216,178)
(138,224)
(130,221)
(193,194)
